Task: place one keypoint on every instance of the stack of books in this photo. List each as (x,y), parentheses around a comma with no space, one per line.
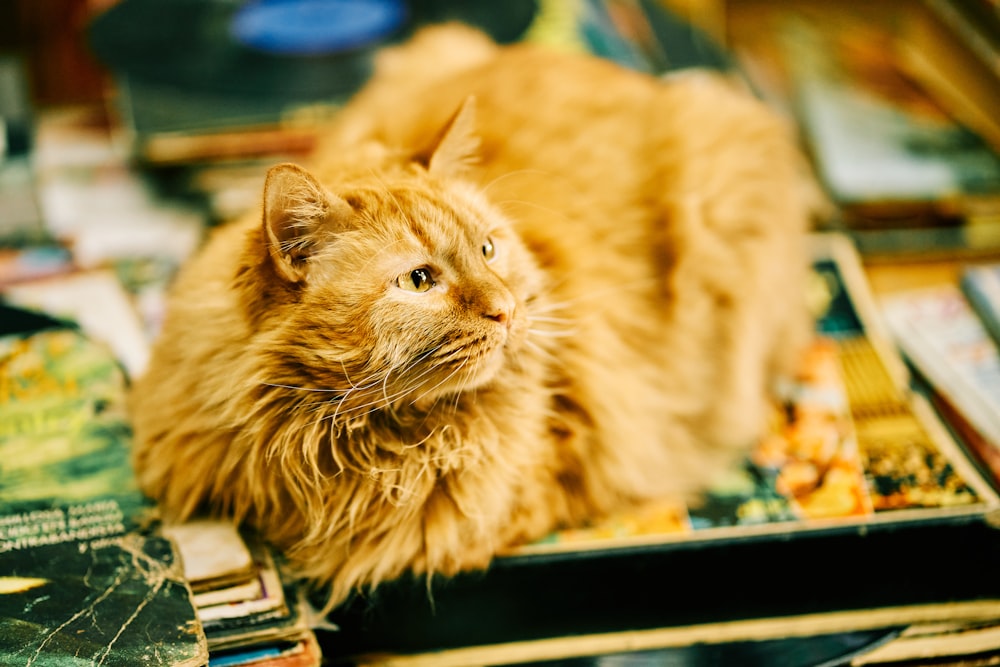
(251,615)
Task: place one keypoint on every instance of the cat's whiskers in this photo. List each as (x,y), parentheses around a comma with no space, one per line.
(457,394)
(385,386)
(448,353)
(462,391)
(446,379)
(297,388)
(372,381)
(530,204)
(549,313)
(561,326)
(347,376)
(375,392)
(553,320)
(384,399)
(540,349)
(551,334)
(381,400)
(510,174)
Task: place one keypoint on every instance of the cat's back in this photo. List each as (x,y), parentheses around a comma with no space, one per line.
(528,98)
(565,130)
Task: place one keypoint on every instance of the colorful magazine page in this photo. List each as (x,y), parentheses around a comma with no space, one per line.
(66,438)
(938,330)
(80,583)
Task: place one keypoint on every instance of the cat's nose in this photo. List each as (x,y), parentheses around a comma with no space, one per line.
(501,310)
(501,316)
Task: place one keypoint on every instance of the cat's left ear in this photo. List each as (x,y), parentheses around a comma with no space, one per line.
(296,205)
(458,148)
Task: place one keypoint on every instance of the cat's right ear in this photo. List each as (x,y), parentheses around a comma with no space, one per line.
(458,146)
(296,205)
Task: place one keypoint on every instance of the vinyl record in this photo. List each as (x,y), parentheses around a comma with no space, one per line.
(219,45)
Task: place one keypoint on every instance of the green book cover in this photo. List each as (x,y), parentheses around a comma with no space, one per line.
(81,581)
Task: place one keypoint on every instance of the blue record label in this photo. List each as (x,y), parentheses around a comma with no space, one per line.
(315,27)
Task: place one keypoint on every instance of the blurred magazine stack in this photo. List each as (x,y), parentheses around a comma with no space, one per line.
(907,152)
(952,47)
(981,285)
(99,216)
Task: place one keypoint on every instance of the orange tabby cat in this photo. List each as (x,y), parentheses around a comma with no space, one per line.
(510,294)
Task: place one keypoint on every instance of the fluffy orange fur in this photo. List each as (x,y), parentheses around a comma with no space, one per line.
(515,290)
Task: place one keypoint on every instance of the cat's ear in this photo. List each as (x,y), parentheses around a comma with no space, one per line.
(295,206)
(458,147)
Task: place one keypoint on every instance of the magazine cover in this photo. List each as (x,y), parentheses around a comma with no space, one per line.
(80,582)
(856,490)
(938,330)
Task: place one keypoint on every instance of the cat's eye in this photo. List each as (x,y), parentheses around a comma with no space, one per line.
(489,250)
(417,280)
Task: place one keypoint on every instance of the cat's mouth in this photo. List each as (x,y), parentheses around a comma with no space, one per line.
(481,360)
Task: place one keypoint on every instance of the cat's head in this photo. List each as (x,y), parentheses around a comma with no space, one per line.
(401,286)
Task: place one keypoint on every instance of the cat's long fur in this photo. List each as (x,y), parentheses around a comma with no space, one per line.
(645,288)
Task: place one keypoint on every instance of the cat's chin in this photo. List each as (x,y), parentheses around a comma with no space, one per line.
(470,378)
(485,372)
